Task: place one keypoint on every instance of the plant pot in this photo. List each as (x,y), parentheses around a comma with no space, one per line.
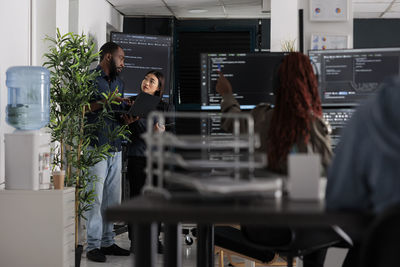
(78,255)
(58,179)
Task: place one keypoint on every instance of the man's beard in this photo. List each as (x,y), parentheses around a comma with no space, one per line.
(113,70)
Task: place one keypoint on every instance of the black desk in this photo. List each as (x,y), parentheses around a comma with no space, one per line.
(144,211)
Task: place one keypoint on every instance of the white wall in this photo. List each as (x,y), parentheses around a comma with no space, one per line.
(62,15)
(93,17)
(345,27)
(284,23)
(43,24)
(73,14)
(25,23)
(15,49)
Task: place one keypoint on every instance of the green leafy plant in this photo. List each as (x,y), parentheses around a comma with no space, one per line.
(73,87)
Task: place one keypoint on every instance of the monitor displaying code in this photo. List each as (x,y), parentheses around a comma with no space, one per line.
(348,77)
(142,54)
(251,76)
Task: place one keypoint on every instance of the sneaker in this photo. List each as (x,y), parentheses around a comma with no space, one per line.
(96,255)
(115,250)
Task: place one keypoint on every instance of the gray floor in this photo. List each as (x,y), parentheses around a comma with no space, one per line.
(188,254)
(334,258)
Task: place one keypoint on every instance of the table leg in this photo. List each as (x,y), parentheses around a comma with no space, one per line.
(173,245)
(205,245)
(145,244)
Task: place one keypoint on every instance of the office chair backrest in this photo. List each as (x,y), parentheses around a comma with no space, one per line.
(382,245)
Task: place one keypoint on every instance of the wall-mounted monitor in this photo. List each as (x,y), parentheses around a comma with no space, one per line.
(142,54)
(251,76)
(347,77)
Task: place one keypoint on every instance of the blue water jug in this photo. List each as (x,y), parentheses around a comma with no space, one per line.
(28,97)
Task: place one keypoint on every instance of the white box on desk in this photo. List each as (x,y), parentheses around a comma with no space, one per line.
(304,172)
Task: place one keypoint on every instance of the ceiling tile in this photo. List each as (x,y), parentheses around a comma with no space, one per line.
(392,15)
(237,11)
(367,15)
(134,11)
(184,3)
(241,2)
(369,7)
(372,1)
(235,8)
(395,8)
(212,12)
(134,2)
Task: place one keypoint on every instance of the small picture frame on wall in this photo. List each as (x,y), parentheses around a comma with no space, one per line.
(329,10)
(322,41)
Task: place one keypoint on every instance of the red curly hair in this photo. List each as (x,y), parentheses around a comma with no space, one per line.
(297,97)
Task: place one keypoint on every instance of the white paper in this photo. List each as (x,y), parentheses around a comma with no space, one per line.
(329,10)
(320,41)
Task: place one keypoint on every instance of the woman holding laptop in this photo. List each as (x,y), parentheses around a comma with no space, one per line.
(153,84)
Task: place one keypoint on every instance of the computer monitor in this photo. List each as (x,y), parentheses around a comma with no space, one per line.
(142,54)
(337,118)
(347,77)
(251,76)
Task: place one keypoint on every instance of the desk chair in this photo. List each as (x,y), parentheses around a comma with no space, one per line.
(291,243)
(230,240)
(382,244)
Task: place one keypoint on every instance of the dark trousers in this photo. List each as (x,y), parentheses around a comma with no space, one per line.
(136,175)
(137,178)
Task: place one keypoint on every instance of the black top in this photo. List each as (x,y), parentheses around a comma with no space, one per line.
(137,146)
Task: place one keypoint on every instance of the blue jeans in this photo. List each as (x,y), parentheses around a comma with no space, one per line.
(107,193)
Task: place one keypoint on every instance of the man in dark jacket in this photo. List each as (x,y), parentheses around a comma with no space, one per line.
(365,172)
(100,235)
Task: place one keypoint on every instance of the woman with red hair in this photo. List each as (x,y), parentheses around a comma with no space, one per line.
(294,125)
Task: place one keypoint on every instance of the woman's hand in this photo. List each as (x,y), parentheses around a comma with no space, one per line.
(223,86)
(159,128)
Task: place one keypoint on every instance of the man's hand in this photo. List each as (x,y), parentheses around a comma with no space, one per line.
(128,119)
(127,101)
(159,128)
(223,86)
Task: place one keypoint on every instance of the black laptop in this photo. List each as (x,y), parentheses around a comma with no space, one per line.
(142,106)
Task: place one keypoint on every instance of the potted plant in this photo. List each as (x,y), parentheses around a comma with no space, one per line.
(70,60)
(289,45)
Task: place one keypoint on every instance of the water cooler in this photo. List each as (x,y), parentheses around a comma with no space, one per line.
(27,149)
